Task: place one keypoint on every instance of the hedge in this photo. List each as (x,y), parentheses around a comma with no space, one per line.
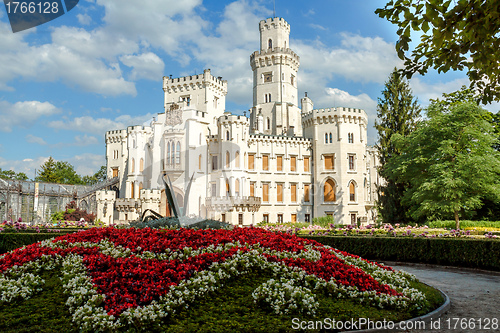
(463,252)
(14,240)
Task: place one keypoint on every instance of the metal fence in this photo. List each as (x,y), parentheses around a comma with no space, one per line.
(36,202)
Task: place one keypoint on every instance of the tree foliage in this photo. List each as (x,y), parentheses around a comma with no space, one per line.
(12,175)
(397,112)
(99,176)
(59,172)
(456,35)
(449,162)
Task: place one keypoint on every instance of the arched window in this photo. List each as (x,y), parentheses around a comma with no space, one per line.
(237,159)
(228,159)
(132,190)
(265,96)
(178,153)
(172,157)
(141,165)
(326,137)
(227,135)
(133,165)
(140,188)
(285,44)
(200,138)
(329,191)
(270,43)
(269,98)
(237,188)
(168,153)
(268,123)
(352,191)
(330,137)
(228,190)
(199,162)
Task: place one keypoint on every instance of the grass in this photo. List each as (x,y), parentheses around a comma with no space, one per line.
(230,309)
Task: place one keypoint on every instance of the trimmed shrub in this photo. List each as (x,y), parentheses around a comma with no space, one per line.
(463,252)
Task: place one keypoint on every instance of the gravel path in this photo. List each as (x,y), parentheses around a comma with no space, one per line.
(474,295)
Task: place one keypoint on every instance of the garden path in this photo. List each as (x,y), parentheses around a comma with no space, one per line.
(474,294)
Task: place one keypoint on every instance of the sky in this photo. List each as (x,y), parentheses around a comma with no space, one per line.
(100,66)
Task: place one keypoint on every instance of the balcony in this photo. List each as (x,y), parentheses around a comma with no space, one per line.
(228,204)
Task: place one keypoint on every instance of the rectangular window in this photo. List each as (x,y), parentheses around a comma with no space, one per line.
(328,162)
(115,172)
(351,162)
(294,218)
(265,162)
(293,163)
(199,162)
(292,80)
(265,192)
(214,189)
(353,218)
(279,163)
(306,193)
(223,217)
(265,218)
(186,99)
(251,160)
(215,165)
(308,218)
(279,192)
(280,218)
(240,219)
(306,164)
(293,190)
(252,189)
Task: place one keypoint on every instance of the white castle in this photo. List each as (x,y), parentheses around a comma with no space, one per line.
(282,164)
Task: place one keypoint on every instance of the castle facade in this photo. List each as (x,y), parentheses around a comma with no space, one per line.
(282,163)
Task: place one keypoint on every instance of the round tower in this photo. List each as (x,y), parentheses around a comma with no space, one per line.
(275,68)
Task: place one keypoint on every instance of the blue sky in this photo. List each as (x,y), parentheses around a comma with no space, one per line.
(100,66)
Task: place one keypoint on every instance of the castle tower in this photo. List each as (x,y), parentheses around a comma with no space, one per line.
(275,69)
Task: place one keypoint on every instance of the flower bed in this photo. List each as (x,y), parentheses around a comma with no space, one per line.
(134,277)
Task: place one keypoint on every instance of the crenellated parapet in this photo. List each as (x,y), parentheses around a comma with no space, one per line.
(275,56)
(334,116)
(194,82)
(274,23)
(230,119)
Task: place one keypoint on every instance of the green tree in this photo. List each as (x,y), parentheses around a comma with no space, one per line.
(397,112)
(97,177)
(456,35)
(59,172)
(449,162)
(10,174)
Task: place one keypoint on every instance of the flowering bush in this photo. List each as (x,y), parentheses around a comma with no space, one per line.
(119,277)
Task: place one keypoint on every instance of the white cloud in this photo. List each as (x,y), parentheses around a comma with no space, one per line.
(84,19)
(85,140)
(227,51)
(28,165)
(146,65)
(35,139)
(342,98)
(317,27)
(98,126)
(359,59)
(24,114)
(87,164)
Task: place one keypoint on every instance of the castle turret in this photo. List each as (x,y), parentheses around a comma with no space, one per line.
(275,68)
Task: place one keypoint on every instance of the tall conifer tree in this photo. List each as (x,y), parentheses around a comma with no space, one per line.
(397,112)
